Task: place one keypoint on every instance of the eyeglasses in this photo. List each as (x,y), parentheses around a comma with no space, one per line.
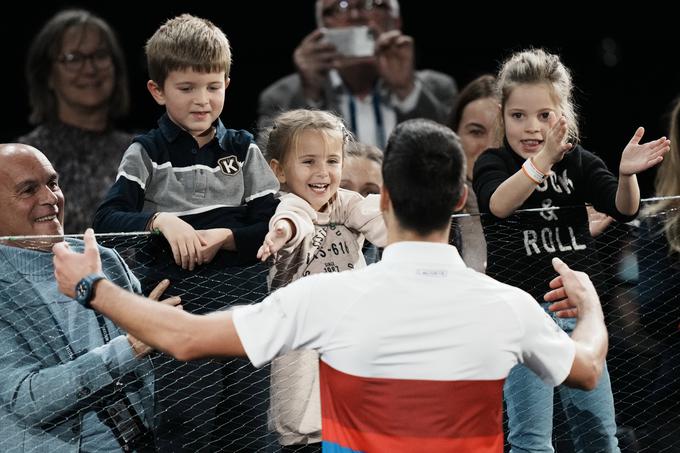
(74,61)
(343,7)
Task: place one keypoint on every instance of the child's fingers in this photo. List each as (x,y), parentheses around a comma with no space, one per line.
(556,123)
(560,130)
(658,146)
(637,136)
(198,250)
(174,246)
(200,255)
(263,253)
(274,248)
(187,258)
(663,145)
(662,141)
(654,161)
(183,255)
(552,119)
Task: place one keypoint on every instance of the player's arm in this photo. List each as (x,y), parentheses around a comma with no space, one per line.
(574,291)
(184,336)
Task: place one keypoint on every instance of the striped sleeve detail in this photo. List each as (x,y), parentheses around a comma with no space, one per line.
(261,194)
(136,165)
(131,178)
(200,210)
(258,178)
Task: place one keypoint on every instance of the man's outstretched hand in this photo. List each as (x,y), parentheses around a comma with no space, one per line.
(70,267)
(571,291)
(140,348)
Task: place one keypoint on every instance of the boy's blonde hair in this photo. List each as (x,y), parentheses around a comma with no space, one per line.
(667,184)
(184,42)
(534,66)
(283,136)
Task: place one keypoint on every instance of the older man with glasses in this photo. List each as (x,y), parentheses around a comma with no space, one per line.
(358,63)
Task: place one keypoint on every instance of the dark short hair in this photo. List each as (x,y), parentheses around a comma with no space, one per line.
(44,51)
(424,173)
(482,87)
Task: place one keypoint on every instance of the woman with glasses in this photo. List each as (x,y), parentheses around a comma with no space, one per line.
(77,86)
(359,64)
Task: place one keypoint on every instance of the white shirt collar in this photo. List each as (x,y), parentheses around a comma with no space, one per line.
(418,252)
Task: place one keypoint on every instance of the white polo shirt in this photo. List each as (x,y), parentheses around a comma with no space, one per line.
(414,349)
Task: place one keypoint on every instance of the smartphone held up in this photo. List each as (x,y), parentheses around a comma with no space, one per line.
(351,41)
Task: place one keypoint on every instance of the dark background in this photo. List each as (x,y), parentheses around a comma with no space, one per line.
(625,70)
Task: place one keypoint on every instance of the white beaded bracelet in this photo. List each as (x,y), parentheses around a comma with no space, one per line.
(533,173)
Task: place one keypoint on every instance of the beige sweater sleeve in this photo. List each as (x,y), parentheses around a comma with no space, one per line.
(363,214)
(299,213)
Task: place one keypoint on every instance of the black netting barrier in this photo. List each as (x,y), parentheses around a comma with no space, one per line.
(221,405)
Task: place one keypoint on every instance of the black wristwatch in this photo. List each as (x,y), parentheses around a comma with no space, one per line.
(85,289)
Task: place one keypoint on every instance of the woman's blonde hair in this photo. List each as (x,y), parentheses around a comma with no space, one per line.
(667,184)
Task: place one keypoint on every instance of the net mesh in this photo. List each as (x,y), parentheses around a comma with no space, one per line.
(221,405)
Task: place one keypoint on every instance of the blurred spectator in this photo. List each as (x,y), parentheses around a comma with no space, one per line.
(658,246)
(362,172)
(475,120)
(373,86)
(77,87)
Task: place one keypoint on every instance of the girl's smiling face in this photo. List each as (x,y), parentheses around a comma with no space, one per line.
(313,170)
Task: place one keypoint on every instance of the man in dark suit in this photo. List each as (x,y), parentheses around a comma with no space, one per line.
(372,89)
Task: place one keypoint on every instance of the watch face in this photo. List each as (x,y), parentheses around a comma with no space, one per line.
(84,288)
(81,290)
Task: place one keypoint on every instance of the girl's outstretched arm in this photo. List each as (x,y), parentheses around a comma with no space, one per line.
(281,232)
(636,158)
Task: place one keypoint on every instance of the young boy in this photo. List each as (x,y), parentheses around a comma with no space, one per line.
(204,187)
(210,193)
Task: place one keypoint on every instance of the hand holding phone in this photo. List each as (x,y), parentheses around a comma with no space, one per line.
(351,41)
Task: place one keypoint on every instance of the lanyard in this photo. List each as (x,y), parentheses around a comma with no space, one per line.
(377,113)
(102,328)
